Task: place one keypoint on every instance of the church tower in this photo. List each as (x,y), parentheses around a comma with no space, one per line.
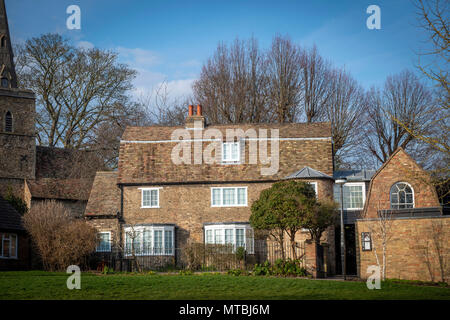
(17,119)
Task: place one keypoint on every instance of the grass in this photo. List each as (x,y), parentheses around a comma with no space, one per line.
(52,285)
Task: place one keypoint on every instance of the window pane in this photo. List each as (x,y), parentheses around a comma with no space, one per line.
(216,197)
(158,241)
(13,238)
(228,236)
(240,241)
(242,197)
(137,243)
(154,198)
(218,236)
(228,196)
(6,245)
(146,198)
(225,151)
(168,242)
(127,244)
(147,245)
(235,152)
(209,236)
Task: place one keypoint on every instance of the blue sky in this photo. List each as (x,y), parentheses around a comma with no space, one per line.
(169,40)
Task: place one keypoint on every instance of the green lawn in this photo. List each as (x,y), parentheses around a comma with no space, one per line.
(47,285)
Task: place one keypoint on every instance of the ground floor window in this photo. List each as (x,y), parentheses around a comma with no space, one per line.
(236,235)
(103,242)
(149,240)
(8,245)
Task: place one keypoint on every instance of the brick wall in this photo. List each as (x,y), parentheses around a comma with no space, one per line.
(410,241)
(17,149)
(399,168)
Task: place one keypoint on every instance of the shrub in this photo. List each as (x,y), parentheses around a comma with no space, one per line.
(60,239)
(240,253)
(280,268)
(238,272)
(107,270)
(186,273)
(16,202)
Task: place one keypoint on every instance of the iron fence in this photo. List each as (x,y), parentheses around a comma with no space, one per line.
(196,257)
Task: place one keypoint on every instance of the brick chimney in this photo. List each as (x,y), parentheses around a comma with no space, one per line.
(195,121)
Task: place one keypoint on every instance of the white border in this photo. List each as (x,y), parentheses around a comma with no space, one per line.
(221,205)
(413,195)
(142,198)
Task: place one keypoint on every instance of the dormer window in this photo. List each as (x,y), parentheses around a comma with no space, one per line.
(8,122)
(230,152)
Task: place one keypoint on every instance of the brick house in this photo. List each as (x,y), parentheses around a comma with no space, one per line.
(174,202)
(402,200)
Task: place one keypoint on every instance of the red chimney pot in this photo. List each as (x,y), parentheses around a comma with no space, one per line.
(191,110)
(199,110)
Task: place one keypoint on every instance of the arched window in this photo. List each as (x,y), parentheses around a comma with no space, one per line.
(8,122)
(402,196)
(3,42)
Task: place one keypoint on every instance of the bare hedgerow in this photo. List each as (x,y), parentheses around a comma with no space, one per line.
(60,239)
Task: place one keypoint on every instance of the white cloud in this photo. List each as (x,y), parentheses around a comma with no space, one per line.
(85,45)
(138,58)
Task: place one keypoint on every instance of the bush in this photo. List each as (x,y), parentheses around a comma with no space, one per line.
(107,270)
(16,202)
(186,273)
(60,239)
(280,268)
(238,272)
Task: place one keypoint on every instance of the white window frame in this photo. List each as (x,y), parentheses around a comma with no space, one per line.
(238,158)
(235,197)
(316,187)
(363,186)
(234,227)
(413,195)
(352,184)
(142,197)
(8,235)
(152,229)
(109,242)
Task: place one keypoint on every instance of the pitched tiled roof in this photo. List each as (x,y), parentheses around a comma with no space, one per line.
(10,219)
(308,173)
(354,175)
(67,189)
(289,130)
(105,195)
(64,163)
(146,154)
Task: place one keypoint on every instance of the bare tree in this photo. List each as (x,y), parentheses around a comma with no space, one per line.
(433,16)
(403,97)
(77,90)
(60,239)
(232,84)
(133,234)
(317,80)
(284,61)
(381,230)
(344,109)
